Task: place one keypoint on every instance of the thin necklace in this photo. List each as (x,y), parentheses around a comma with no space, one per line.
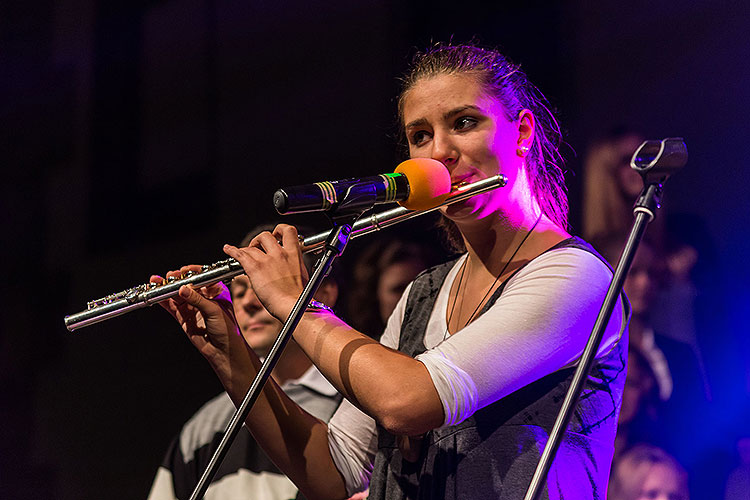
(461,278)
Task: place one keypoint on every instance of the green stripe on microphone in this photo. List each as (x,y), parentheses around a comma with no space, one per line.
(390,190)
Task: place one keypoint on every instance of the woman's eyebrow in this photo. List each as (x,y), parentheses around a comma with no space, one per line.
(416,123)
(455,111)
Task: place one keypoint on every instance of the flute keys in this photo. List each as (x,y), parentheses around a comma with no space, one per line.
(132,295)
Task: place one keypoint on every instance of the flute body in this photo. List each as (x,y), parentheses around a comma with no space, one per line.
(147,294)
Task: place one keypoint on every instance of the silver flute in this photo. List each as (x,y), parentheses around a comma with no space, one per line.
(148,294)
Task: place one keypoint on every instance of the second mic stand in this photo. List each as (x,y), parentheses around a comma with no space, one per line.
(359,198)
(655,161)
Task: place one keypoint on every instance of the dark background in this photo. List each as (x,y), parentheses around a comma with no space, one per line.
(139,136)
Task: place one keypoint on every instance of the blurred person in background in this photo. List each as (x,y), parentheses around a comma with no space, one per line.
(679,383)
(610,187)
(380,275)
(638,420)
(738,483)
(246,471)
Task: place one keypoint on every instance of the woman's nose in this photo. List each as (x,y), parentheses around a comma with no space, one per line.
(444,150)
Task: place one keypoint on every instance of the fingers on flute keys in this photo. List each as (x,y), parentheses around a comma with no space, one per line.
(185,272)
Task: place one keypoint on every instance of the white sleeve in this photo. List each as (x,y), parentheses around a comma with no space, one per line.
(163,486)
(538,325)
(352,434)
(352,441)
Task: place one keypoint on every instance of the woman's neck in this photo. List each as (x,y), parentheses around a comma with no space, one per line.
(490,242)
(495,253)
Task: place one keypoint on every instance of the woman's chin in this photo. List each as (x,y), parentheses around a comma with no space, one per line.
(460,211)
(471,210)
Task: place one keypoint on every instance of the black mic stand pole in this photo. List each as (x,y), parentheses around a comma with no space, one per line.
(655,161)
(358,199)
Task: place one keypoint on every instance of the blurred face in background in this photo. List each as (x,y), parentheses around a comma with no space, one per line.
(663,483)
(646,472)
(393,282)
(258,327)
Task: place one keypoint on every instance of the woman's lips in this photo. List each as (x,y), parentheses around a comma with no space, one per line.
(460,181)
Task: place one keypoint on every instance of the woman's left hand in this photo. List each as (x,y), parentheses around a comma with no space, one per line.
(273,262)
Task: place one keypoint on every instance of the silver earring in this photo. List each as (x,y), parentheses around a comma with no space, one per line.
(522,151)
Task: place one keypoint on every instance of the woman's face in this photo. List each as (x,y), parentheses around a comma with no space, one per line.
(451,119)
(258,326)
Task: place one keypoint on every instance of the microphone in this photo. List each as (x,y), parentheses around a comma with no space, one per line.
(416,184)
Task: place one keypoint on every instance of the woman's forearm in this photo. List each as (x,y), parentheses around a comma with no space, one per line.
(295,441)
(403,400)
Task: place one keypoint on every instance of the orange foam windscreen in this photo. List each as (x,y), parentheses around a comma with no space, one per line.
(429,183)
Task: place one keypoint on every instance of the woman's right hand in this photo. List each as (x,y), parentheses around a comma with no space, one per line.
(206,315)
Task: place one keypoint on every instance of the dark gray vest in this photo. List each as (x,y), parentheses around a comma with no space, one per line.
(493,453)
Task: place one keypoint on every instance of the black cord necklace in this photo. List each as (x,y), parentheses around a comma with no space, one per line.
(461,278)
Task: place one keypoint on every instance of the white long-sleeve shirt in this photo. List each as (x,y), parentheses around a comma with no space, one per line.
(538,325)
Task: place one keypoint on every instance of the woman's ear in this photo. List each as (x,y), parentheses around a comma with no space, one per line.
(526,124)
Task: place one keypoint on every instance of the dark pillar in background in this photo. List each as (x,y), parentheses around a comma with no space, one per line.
(36,103)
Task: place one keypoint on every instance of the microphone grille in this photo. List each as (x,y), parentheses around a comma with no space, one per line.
(429,183)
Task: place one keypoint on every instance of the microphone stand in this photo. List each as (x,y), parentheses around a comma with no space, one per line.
(358,199)
(655,161)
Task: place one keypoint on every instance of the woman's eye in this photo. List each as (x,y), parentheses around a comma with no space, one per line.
(465,122)
(419,137)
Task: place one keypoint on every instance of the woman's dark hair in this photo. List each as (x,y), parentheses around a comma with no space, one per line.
(507,83)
